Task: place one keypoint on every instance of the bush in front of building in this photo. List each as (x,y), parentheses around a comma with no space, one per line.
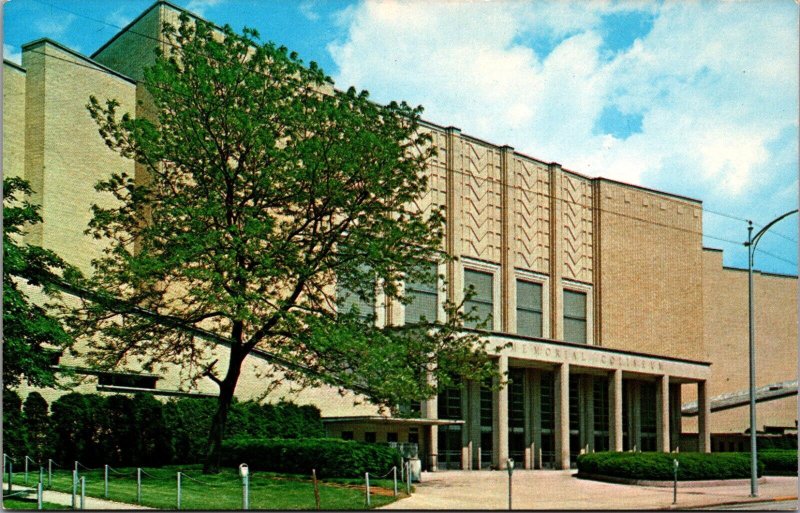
(778,461)
(330,457)
(657,466)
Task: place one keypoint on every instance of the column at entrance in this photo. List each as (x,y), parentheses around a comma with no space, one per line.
(703,417)
(586,413)
(474,428)
(675,416)
(562,416)
(662,414)
(615,426)
(536,418)
(500,453)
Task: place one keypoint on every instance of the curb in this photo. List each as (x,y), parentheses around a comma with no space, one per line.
(734,503)
(668,484)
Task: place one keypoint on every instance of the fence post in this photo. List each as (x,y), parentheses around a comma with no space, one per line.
(105,481)
(10,475)
(316,487)
(76,465)
(74,489)
(394,478)
(39,495)
(179,490)
(41,475)
(49,473)
(26,469)
(246,492)
(366,477)
(408,477)
(83,492)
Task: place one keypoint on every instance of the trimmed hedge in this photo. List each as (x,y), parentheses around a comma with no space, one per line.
(778,461)
(657,466)
(330,457)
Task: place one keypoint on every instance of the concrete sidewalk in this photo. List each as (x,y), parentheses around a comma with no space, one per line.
(554,489)
(65,499)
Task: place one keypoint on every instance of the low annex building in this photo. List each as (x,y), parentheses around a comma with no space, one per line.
(618,328)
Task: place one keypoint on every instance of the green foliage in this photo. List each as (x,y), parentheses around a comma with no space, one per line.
(330,457)
(776,442)
(187,424)
(657,466)
(37,427)
(778,461)
(14,437)
(76,421)
(31,336)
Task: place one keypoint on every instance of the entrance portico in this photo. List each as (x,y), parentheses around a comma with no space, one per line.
(561,400)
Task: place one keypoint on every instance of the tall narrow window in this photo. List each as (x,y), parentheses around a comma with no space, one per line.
(481,304)
(529,308)
(350,300)
(423,296)
(574,316)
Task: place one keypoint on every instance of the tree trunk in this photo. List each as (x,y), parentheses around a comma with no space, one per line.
(217,433)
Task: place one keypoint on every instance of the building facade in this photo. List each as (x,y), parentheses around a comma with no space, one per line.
(617,328)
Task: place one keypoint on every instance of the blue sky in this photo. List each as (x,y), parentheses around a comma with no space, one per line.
(694,98)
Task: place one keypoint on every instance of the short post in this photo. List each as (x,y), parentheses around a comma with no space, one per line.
(76,465)
(394,478)
(316,488)
(26,468)
(74,489)
(105,481)
(83,492)
(138,485)
(510,468)
(39,495)
(10,475)
(49,473)
(244,471)
(41,475)
(408,478)
(179,490)
(366,477)
(675,481)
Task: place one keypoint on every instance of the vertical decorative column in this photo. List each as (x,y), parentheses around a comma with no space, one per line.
(501,417)
(536,420)
(562,415)
(662,414)
(556,252)
(465,434)
(597,240)
(508,284)
(675,416)
(453,213)
(615,426)
(703,417)
(430,410)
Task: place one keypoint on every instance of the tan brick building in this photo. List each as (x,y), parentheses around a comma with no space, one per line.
(616,313)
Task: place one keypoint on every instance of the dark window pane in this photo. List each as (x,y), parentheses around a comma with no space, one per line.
(575,330)
(370,436)
(574,316)
(481,305)
(529,309)
(424,297)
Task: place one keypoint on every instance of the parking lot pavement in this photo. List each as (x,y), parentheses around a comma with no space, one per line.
(554,489)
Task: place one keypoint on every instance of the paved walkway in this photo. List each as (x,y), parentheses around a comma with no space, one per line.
(65,499)
(553,489)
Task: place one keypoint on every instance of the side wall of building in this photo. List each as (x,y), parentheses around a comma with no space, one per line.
(13,121)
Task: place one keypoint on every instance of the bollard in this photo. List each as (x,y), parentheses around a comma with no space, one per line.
(83,492)
(26,469)
(138,485)
(74,489)
(49,473)
(366,477)
(675,481)
(316,487)
(39,495)
(394,478)
(105,481)
(179,490)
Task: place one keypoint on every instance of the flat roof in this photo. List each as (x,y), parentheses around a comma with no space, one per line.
(101,67)
(379,419)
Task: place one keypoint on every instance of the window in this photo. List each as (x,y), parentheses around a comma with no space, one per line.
(529,308)
(127,380)
(481,304)
(370,436)
(349,300)
(423,295)
(391,437)
(347,435)
(574,316)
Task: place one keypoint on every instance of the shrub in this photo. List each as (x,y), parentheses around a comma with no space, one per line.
(77,421)
(37,425)
(188,421)
(14,439)
(658,466)
(778,461)
(330,457)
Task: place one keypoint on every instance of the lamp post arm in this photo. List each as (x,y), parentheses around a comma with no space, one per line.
(762,231)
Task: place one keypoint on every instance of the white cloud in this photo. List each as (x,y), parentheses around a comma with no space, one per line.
(54,27)
(118,18)
(308,9)
(718,102)
(11,53)
(199,6)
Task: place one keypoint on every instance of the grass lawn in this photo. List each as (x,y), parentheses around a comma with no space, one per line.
(29,502)
(224,490)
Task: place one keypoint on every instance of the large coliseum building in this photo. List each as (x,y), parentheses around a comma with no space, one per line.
(625,332)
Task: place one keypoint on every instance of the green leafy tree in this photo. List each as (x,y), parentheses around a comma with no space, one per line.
(37,426)
(14,435)
(265,191)
(32,337)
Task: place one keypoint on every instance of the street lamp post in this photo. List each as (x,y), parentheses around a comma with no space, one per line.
(751,244)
